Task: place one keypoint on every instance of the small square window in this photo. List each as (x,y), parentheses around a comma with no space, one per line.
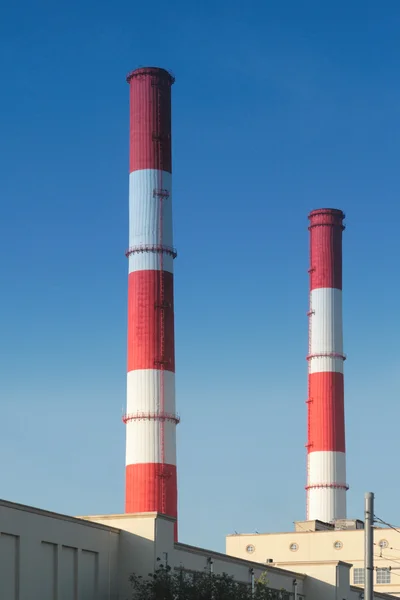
(383,575)
(358,577)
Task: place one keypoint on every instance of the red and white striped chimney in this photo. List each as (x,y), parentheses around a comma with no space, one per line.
(151,420)
(326,461)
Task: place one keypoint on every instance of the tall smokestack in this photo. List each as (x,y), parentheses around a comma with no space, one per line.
(151,483)
(326,460)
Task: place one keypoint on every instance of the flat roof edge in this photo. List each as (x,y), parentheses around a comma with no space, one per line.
(54,515)
(235,559)
(151,515)
(315,562)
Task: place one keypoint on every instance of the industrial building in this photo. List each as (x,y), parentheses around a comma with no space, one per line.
(314,542)
(49,556)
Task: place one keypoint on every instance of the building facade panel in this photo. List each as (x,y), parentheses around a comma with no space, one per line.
(43,555)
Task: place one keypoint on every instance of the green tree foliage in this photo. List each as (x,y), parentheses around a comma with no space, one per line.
(168,584)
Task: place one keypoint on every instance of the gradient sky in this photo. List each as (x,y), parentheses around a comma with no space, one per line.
(278,108)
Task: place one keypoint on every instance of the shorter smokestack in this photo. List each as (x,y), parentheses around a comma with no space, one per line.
(326,461)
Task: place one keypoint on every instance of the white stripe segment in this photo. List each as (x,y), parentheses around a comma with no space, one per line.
(326,503)
(145,187)
(144,391)
(326,467)
(150,261)
(143,435)
(143,442)
(326,335)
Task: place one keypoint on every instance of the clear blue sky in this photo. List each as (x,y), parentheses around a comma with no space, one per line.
(278,108)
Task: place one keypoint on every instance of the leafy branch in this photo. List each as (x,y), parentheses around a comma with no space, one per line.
(168,584)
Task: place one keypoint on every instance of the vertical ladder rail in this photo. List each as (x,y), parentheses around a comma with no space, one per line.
(309,398)
(160,194)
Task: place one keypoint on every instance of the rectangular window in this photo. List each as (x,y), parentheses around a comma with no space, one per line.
(48,555)
(383,575)
(9,565)
(358,576)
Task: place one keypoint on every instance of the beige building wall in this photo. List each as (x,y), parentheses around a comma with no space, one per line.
(196,559)
(148,537)
(330,581)
(304,547)
(43,554)
(137,552)
(49,556)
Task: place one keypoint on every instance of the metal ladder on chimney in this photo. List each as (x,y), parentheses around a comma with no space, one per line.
(309,400)
(161,305)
